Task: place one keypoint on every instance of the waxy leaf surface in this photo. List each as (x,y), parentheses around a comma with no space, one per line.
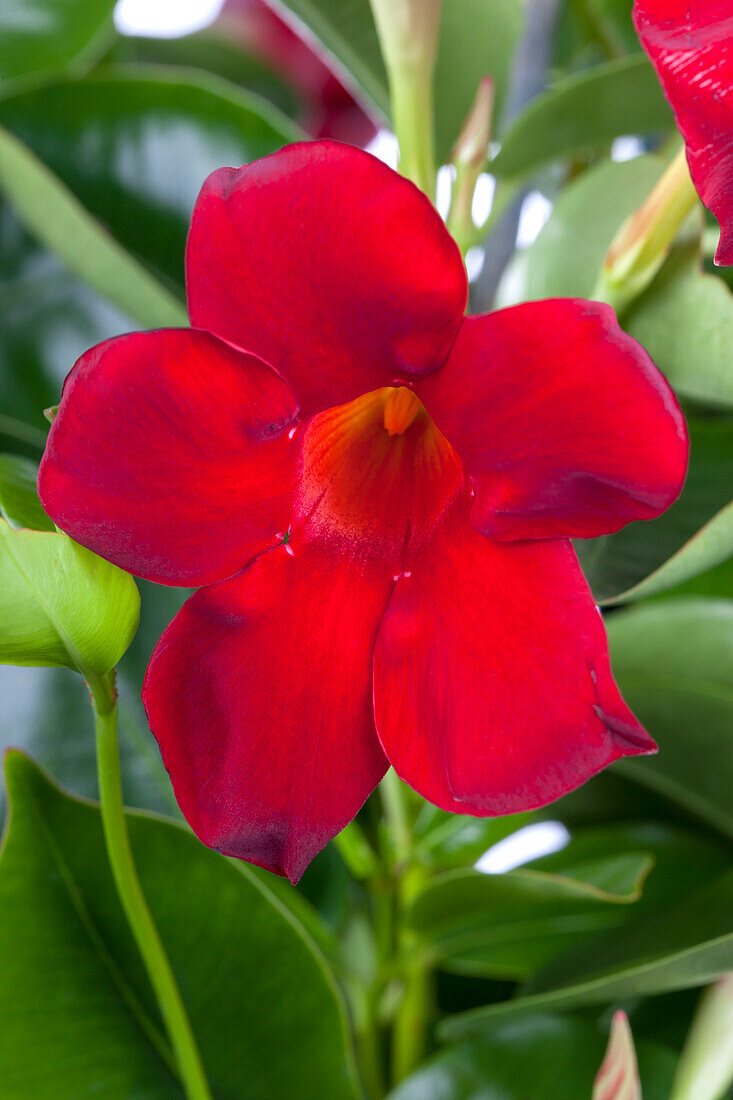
(543,1057)
(263,1005)
(581,113)
(673,660)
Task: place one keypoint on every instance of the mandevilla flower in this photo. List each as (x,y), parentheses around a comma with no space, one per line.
(377,495)
(690,44)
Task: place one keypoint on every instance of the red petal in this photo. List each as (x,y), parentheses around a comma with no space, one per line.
(259,694)
(330,266)
(492,687)
(690,43)
(563,420)
(170,456)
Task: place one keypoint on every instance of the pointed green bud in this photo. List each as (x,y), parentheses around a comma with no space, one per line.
(472,144)
(705,1068)
(642,243)
(469,156)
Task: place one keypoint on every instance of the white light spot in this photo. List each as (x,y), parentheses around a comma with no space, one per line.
(541,839)
(292,431)
(165,18)
(536,209)
(474,262)
(626,148)
(444,187)
(483,198)
(289,549)
(384,146)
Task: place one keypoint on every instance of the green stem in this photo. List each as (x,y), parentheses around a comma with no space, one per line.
(370,1050)
(395,812)
(413,1014)
(408,37)
(415,1011)
(356,852)
(130,891)
(411,96)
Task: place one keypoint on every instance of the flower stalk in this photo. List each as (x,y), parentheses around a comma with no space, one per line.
(130,892)
(643,241)
(408,35)
(415,1010)
(412,1015)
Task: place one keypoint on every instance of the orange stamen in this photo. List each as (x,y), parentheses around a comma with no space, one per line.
(400,409)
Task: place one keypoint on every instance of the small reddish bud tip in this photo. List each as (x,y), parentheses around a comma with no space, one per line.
(618,1077)
(472,145)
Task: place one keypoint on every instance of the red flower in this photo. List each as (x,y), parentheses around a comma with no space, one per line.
(690,43)
(385,534)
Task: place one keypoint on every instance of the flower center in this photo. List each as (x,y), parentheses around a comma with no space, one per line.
(376,474)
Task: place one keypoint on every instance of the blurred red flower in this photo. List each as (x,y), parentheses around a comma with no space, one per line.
(378,495)
(329,108)
(690,43)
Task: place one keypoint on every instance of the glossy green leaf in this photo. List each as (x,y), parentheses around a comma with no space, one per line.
(56,217)
(673,660)
(346,29)
(135,143)
(507,926)
(597,28)
(444,840)
(566,257)
(477,38)
(694,535)
(19,503)
(543,1057)
(685,321)
(682,860)
(78,1016)
(62,605)
(213,50)
(582,113)
(49,36)
(687,943)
